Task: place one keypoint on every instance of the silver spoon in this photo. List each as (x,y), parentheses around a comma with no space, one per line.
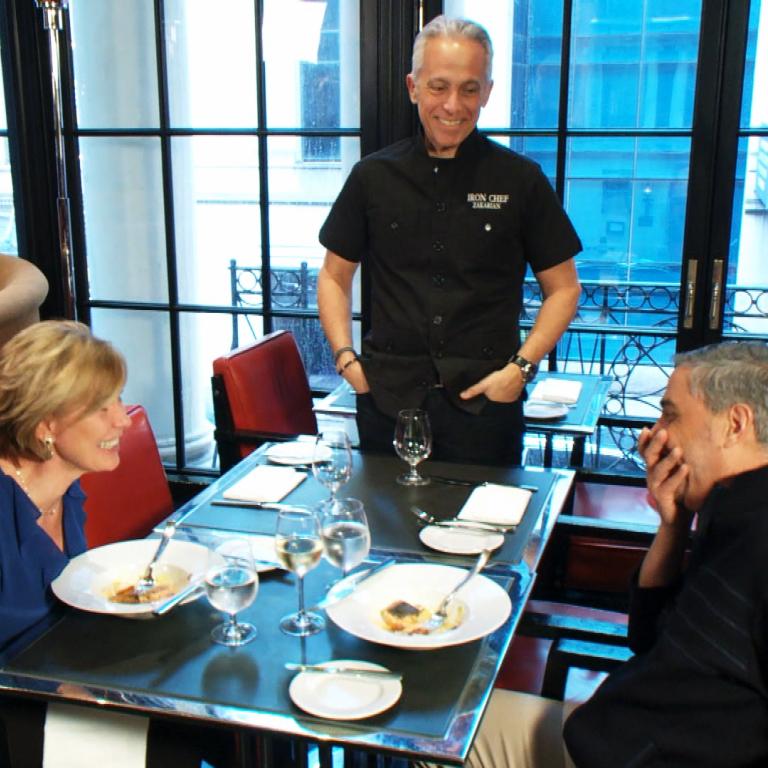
(437,619)
(147,580)
(475,525)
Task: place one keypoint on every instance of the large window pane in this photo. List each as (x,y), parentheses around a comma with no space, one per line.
(8,242)
(633,64)
(527,39)
(216,206)
(626,197)
(142,337)
(3,117)
(746,300)
(211,63)
(301,194)
(300,197)
(203,338)
(124,218)
(754,105)
(314,81)
(542,149)
(113,47)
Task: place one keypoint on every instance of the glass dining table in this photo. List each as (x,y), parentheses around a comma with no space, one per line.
(168,666)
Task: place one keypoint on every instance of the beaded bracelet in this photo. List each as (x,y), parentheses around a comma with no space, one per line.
(339,352)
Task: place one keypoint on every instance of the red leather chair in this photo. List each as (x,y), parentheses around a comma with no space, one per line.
(260,392)
(129,501)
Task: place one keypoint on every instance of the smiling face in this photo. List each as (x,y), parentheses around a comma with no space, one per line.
(89,443)
(449,90)
(700,434)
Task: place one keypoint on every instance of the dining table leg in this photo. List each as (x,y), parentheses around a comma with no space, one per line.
(577,452)
(325,755)
(548,451)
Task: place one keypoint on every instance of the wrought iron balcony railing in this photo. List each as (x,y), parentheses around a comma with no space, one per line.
(624,330)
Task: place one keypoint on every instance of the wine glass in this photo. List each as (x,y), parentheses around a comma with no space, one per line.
(299,548)
(344,527)
(332,459)
(413,443)
(232,585)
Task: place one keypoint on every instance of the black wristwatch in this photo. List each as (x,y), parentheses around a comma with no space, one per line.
(527,368)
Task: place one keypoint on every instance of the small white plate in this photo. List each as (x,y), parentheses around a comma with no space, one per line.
(295,452)
(543,411)
(88,579)
(343,697)
(459,541)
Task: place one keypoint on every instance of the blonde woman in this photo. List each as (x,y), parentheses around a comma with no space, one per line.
(61,416)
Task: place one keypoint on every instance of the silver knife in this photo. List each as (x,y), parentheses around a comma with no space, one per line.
(478,483)
(179,597)
(351,583)
(472,525)
(254,504)
(340,669)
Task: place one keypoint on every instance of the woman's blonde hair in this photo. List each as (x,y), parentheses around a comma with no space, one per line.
(52,369)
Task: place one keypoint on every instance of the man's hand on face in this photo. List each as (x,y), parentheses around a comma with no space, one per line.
(503,386)
(666,474)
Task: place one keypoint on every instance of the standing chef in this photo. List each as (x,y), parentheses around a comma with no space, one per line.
(448,222)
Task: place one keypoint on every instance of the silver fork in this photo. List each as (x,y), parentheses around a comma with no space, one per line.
(455,522)
(147,580)
(437,619)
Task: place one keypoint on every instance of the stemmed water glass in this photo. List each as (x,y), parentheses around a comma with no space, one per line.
(231,584)
(346,537)
(299,548)
(332,459)
(413,443)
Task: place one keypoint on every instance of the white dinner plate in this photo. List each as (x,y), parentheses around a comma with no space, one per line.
(459,541)
(544,411)
(88,579)
(487,605)
(343,697)
(295,452)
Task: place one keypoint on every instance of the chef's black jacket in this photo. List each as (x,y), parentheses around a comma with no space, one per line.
(446,243)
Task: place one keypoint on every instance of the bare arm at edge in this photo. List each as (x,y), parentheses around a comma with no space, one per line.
(334,300)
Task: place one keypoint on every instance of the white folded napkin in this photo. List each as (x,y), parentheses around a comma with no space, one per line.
(492,503)
(265,483)
(75,737)
(557,391)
